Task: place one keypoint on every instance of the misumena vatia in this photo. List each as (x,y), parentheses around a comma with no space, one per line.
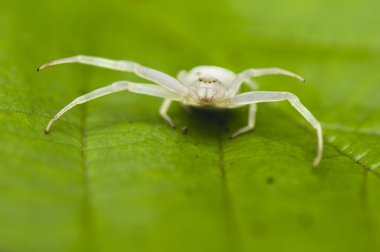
(202,86)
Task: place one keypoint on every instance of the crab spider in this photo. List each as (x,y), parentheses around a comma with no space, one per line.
(202,86)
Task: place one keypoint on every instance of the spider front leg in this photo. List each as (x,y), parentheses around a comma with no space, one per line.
(267,96)
(251,121)
(147,89)
(156,76)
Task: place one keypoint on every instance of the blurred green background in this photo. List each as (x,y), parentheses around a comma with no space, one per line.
(112,176)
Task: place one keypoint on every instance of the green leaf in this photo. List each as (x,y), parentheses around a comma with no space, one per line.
(112,176)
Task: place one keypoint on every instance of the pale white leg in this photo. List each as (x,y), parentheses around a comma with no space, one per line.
(256,73)
(251,84)
(156,76)
(148,89)
(251,121)
(263,96)
(164,112)
(181,75)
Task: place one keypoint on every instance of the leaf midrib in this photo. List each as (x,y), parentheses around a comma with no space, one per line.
(89,243)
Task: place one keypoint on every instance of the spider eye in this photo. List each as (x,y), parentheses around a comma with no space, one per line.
(207,80)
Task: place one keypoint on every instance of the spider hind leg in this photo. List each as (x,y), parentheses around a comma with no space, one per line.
(251,121)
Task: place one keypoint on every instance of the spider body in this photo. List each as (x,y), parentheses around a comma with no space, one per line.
(203,86)
(206,85)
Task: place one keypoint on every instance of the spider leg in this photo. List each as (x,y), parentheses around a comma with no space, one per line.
(164,112)
(267,96)
(181,75)
(118,86)
(156,76)
(251,121)
(243,76)
(251,84)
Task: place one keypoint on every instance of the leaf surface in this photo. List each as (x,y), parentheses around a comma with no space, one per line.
(113,176)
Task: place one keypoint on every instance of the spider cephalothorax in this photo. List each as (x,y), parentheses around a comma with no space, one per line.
(205,91)
(202,86)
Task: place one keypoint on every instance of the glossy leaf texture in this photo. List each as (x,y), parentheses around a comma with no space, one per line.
(112,176)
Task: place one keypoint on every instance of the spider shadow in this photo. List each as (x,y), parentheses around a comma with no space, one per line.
(210,122)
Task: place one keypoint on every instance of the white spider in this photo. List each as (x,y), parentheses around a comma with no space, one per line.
(202,86)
